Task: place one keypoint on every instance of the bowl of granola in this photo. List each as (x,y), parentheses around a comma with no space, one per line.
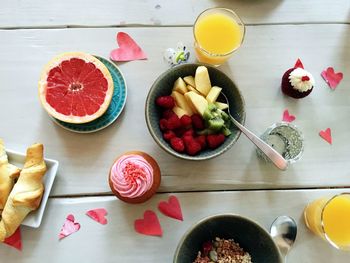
(227,238)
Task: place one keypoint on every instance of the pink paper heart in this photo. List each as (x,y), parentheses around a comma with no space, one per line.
(128,49)
(171,208)
(98,215)
(326,135)
(69,227)
(287,117)
(15,240)
(149,225)
(332,78)
(299,64)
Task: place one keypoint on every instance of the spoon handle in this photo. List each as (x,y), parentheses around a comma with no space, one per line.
(271,153)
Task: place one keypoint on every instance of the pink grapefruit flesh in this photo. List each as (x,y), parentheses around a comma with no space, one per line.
(75,87)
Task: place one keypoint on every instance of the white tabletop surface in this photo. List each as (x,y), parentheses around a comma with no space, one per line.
(278,32)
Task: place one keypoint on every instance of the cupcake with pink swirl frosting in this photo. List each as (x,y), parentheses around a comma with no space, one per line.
(134,177)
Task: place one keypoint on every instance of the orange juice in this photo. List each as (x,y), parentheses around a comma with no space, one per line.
(218,32)
(312,215)
(330,219)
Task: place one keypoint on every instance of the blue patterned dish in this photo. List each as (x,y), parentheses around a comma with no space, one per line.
(114,109)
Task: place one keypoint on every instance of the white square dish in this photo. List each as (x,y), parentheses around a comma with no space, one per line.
(34,218)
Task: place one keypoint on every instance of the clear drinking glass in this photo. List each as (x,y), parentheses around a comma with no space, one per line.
(286,139)
(218,32)
(329,218)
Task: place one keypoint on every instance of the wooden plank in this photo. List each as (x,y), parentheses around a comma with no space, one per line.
(14,14)
(256,68)
(117,241)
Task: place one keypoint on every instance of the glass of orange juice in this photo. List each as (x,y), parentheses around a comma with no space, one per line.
(218,32)
(329,218)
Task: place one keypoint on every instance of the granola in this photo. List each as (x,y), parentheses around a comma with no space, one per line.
(222,251)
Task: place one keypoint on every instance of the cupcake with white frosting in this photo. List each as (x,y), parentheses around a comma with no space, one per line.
(134,177)
(297,82)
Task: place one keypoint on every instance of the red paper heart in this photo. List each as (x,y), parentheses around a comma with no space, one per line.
(149,225)
(331,77)
(326,135)
(288,117)
(15,240)
(69,227)
(128,49)
(99,215)
(299,64)
(171,208)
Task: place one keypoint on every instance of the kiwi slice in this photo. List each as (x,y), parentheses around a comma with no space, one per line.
(216,124)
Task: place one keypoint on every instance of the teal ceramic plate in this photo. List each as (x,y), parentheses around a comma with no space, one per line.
(114,109)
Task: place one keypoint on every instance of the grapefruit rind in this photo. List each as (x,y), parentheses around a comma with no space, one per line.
(72,118)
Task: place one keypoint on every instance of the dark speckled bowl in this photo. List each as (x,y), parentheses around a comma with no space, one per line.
(163,86)
(251,237)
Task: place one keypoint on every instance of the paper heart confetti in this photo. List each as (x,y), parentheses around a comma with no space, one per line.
(149,225)
(299,64)
(287,117)
(128,49)
(332,78)
(171,208)
(98,214)
(69,227)
(326,135)
(15,240)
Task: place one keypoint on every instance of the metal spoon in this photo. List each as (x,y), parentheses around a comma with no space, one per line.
(270,152)
(284,232)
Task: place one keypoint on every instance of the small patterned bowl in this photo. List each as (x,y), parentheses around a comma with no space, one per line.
(163,86)
(248,234)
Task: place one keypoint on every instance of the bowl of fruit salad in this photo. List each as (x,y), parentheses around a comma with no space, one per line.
(185,113)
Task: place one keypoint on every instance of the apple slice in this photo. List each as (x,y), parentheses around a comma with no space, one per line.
(190,81)
(189,102)
(180,86)
(213,94)
(181,102)
(179,112)
(221,105)
(198,102)
(202,80)
(190,88)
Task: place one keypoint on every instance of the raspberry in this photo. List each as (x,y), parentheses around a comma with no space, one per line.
(207,247)
(202,141)
(189,132)
(187,139)
(173,122)
(180,131)
(197,122)
(177,144)
(168,135)
(215,140)
(192,146)
(168,113)
(167,102)
(163,124)
(186,120)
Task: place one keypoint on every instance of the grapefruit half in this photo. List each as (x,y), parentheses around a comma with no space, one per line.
(75,87)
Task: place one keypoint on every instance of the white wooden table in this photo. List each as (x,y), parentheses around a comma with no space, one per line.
(278,32)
